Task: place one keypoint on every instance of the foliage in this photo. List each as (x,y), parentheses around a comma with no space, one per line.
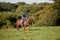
(29,8)
(56,6)
(8,18)
(7,6)
(48,16)
(21,3)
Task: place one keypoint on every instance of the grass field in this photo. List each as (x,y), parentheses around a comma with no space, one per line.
(35,33)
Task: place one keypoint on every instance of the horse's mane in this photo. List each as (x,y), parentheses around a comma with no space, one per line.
(28,16)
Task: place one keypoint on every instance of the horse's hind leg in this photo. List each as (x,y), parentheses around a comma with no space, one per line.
(17,27)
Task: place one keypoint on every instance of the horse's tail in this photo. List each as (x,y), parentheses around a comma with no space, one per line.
(18,22)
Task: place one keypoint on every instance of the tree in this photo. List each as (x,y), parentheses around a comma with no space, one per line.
(7,6)
(21,3)
(57,7)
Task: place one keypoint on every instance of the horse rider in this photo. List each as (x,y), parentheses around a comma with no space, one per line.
(23,17)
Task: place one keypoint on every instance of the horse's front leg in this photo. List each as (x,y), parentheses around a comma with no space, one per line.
(28,28)
(24,29)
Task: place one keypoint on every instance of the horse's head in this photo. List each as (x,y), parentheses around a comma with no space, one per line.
(32,17)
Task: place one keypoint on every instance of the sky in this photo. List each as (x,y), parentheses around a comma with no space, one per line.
(26,1)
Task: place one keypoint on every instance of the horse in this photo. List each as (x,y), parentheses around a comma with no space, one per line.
(26,22)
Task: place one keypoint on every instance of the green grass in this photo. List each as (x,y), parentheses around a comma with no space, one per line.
(35,33)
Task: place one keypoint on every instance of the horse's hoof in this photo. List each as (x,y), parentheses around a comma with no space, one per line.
(17,29)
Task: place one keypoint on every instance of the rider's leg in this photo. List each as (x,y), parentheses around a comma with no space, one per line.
(21,22)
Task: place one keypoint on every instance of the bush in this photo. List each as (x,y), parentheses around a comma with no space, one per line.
(46,17)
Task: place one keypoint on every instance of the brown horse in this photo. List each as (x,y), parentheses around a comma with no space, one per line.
(26,22)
